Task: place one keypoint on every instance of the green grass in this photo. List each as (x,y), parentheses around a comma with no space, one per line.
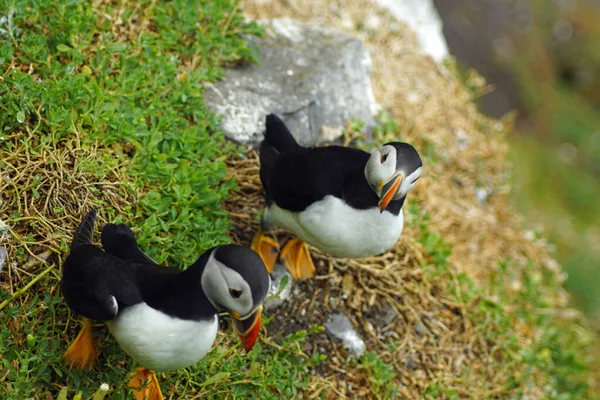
(134,93)
(555,361)
(551,192)
(144,93)
(380,375)
(556,110)
(125,80)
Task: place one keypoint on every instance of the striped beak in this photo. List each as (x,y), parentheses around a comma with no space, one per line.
(248,327)
(389,190)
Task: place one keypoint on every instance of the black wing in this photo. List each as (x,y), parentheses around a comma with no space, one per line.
(96,285)
(119,240)
(295,177)
(298,179)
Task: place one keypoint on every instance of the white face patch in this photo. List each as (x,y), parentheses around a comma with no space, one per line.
(408,183)
(380,167)
(225,288)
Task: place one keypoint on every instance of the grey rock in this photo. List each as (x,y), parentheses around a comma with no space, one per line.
(411,364)
(315,78)
(340,327)
(387,316)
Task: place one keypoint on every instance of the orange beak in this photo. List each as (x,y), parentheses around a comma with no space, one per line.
(389,190)
(248,327)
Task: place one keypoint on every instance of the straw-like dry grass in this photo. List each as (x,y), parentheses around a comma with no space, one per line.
(44,192)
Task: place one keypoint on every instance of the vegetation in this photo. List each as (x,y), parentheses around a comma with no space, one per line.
(557,155)
(101,106)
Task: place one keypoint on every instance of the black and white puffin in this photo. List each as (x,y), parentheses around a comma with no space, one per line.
(342,200)
(164,318)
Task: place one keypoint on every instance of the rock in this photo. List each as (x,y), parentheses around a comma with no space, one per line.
(482,194)
(315,78)
(277,296)
(340,327)
(423,18)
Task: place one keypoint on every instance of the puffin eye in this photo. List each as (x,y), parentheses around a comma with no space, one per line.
(235,293)
(383,158)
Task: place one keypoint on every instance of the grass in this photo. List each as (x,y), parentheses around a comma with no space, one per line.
(561,110)
(562,205)
(520,298)
(380,376)
(136,88)
(558,95)
(102,107)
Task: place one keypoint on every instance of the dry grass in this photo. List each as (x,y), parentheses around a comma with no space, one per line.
(43,192)
(390,301)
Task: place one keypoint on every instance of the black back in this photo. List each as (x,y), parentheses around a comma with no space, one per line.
(91,277)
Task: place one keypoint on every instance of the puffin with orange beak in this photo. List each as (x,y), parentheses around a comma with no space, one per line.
(164,318)
(344,201)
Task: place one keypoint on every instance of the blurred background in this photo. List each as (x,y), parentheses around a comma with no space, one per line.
(542,58)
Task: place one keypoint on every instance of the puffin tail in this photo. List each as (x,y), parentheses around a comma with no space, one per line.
(85,231)
(278,136)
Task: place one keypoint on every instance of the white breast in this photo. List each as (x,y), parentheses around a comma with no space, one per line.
(160,342)
(340,230)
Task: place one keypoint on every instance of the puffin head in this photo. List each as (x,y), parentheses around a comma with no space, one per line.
(235,280)
(392,170)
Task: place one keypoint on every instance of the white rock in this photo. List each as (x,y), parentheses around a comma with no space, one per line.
(423,18)
(340,326)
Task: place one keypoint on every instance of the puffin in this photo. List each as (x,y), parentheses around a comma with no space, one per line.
(164,318)
(341,200)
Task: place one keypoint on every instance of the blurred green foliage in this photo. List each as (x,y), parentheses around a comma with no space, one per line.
(557,154)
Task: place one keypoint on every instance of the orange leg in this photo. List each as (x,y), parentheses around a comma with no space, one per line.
(82,352)
(296,258)
(145,385)
(267,248)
